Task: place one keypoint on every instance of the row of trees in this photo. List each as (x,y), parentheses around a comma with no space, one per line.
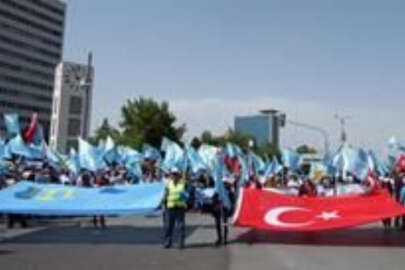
(144,120)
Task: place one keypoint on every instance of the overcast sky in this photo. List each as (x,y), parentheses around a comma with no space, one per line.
(215,59)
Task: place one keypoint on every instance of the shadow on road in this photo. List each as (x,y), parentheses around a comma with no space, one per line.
(362,237)
(113,235)
(6,252)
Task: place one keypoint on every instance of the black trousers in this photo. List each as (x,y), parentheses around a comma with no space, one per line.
(13,218)
(175,218)
(221,220)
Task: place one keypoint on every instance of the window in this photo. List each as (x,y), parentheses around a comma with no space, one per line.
(33,12)
(58,11)
(27,33)
(73,127)
(27,58)
(22,82)
(29,47)
(21,69)
(75,105)
(19,94)
(31,23)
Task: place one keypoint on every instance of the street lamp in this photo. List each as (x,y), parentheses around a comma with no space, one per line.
(342,121)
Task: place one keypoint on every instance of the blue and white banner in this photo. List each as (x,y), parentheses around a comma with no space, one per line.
(59,200)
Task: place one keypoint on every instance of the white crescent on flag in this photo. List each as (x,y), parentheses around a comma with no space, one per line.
(273,217)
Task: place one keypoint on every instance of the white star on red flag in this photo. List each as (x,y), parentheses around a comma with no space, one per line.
(329,215)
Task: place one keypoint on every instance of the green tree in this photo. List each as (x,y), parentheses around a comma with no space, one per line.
(267,151)
(144,120)
(238,138)
(230,136)
(104,131)
(305,149)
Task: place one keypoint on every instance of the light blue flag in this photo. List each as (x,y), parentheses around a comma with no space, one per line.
(336,167)
(345,159)
(59,200)
(359,166)
(133,165)
(110,151)
(150,152)
(376,164)
(50,155)
(268,172)
(18,147)
(89,159)
(2,149)
(395,145)
(174,155)
(244,177)
(395,148)
(273,168)
(291,159)
(232,150)
(72,162)
(218,175)
(12,123)
(256,163)
(209,154)
(125,153)
(194,160)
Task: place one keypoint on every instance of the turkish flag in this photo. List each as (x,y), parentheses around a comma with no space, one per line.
(268,210)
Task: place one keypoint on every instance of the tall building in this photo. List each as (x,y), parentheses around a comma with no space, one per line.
(31,43)
(263,128)
(71,104)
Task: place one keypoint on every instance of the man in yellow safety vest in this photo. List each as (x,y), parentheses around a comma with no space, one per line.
(175,200)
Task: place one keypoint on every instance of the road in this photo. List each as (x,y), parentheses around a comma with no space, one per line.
(134,243)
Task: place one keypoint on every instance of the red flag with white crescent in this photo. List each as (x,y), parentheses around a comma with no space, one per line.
(268,210)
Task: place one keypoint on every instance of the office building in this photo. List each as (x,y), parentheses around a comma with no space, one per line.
(264,128)
(31,44)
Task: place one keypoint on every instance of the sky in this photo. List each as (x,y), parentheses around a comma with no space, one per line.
(214,59)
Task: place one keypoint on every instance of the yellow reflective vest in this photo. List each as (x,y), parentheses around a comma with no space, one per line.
(174,194)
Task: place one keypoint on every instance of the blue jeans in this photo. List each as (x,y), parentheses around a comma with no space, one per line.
(175,217)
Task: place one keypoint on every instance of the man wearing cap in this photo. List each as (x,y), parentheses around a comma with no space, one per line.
(175,200)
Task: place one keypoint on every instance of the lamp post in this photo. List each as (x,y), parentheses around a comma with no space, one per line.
(320,130)
(342,122)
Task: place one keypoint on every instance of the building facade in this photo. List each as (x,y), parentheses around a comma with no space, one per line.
(71,104)
(31,44)
(264,128)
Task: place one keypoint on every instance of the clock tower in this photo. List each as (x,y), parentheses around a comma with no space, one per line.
(72,100)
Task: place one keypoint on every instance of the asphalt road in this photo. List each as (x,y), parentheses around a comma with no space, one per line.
(135,243)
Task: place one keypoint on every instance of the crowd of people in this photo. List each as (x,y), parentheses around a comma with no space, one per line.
(187,191)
